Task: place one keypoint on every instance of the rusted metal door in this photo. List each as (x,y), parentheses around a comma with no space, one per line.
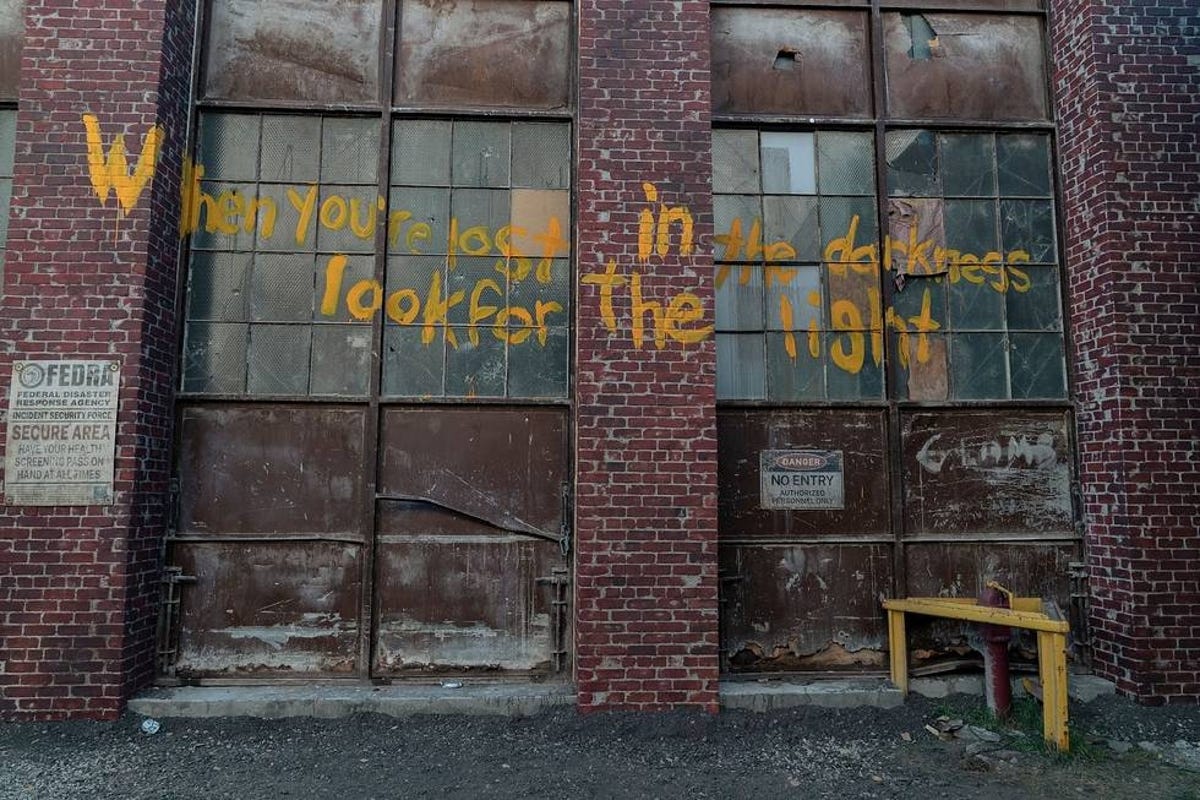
(894,410)
(372,441)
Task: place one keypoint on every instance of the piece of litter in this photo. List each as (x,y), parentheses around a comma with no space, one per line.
(906,736)
(150,726)
(451,684)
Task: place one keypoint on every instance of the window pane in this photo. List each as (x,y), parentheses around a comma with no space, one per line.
(480,154)
(229,146)
(968,164)
(789,163)
(281,288)
(291,149)
(740,373)
(735,161)
(411,368)
(846,162)
(421,152)
(739,298)
(476,367)
(214,358)
(735,212)
(793,377)
(971,226)
(1038,368)
(537,369)
(1028,225)
(541,155)
(278,360)
(863,383)
(1024,162)
(218,287)
(341,359)
(1033,304)
(975,306)
(793,220)
(912,160)
(349,150)
(978,366)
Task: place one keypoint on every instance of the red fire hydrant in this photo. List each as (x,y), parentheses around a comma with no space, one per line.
(997,684)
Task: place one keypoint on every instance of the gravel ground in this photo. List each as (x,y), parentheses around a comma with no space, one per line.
(807,752)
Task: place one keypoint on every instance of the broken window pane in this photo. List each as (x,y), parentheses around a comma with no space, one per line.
(735,162)
(512,53)
(303,50)
(1038,367)
(856,382)
(278,359)
(971,226)
(476,366)
(922,304)
(1028,225)
(789,163)
(968,164)
(793,297)
(842,216)
(965,66)
(537,369)
(734,218)
(1024,164)
(1033,304)
(214,358)
(412,367)
(979,369)
(793,220)
(792,372)
(975,306)
(912,160)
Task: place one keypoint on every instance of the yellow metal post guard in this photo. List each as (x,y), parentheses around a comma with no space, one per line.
(1028,613)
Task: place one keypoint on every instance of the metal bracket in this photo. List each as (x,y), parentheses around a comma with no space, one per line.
(558,579)
(168,620)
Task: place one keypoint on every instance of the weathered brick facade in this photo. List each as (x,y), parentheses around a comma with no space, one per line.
(79,586)
(78,597)
(646,592)
(1128,94)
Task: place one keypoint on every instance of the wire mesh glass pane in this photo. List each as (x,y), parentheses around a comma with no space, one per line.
(978,365)
(739,300)
(537,368)
(846,163)
(411,366)
(789,163)
(336,283)
(224,208)
(476,367)
(1024,164)
(912,161)
(793,297)
(229,146)
(480,155)
(541,155)
(477,289)
(734,216)
(291,149)
(1038,366)
(418,220)
(5,201)
(487,207)
(214,358)
(922,304)
(968,165)
(792,372)
(740,366)
(349,150)
(861,378)
(348,216)
(971,226)
(847,226)
(281,288)
(548,300)
(341,360)
(735,161)
(976,304)
(218,286)
(1033,299)
(286,218)
(793,220)
(278,359)
(421,152)
(1028,225)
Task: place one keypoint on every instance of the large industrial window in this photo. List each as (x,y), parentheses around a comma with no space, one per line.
(12,30)
(8,128)
(448,272)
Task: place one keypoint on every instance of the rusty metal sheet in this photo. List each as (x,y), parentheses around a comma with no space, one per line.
(965,66)
(317,51)
(462,602)
(804,607)
(967,5)
(962,570)
(271,469)
(510,53)
(1001,471)
(12,36)
(260,609)
(779,61)
(861,435)
(503,466)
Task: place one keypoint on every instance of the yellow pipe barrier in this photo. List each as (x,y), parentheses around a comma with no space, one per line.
(1028,613)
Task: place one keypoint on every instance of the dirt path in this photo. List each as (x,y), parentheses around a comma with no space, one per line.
(804,753)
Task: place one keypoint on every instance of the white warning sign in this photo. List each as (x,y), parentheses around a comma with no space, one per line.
(802,479)
(62,424)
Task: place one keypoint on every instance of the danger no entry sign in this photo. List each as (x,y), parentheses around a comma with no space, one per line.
(802,479)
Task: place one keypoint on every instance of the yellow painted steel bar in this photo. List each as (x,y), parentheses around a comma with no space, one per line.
(1027,614)
(972,612)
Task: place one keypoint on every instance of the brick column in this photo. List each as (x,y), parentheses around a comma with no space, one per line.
(1128,100)
(646,554)
(79,585)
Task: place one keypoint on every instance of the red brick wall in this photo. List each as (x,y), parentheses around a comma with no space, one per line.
(645,535)
(79,588)
(1128,96)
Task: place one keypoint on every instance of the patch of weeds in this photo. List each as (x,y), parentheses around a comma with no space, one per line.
(1022,731)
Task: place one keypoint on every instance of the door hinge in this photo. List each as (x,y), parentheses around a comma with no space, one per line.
(168,620)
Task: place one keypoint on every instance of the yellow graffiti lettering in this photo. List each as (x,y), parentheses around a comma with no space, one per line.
(305,206)
(109,172)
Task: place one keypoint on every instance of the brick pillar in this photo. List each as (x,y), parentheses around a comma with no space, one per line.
(646,537)
(1128,97)
(79,587)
